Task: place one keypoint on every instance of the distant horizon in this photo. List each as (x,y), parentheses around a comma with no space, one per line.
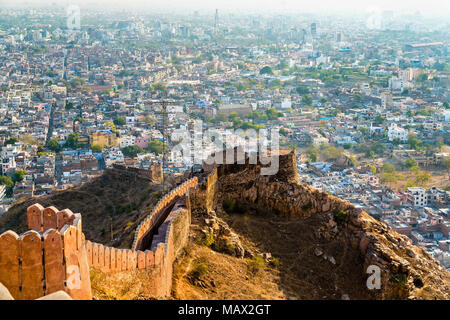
(324,7)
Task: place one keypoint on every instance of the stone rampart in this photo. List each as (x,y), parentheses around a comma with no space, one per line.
(51,256)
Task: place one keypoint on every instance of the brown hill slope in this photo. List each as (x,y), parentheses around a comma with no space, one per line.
(322,246)
(113,197)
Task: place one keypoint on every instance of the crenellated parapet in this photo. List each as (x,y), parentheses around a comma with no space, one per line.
(53,255)
(50,257)
(154,216)
(169,223)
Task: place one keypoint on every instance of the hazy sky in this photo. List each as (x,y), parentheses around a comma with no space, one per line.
(319,6)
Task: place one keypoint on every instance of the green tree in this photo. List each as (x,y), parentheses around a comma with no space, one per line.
(156,146)
(72,141)
(19,175)
(307,100)
(409,163)
(119,121)
(422,178)
(266,70)
(396,141)
(159,87)
(413,142)
(8,183)
(446,105)
(388,177)
(54,145)
(388,168)
(96,148)
(302,90)
(410,184)
(347,145)
(69,105)
(11,140)
(312,153)
(132,151)
(422,77)
(379,120)
(110,125)
(273,114)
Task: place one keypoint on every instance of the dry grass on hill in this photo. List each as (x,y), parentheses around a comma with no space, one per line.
(120,286)
(298,274)
(119,197)
(223,278)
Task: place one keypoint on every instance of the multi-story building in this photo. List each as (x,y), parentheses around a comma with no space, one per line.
(105,138)
(396,132)
(418,196)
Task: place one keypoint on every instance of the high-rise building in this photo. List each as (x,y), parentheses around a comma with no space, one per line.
(313,29)
(216,20)
(303,36)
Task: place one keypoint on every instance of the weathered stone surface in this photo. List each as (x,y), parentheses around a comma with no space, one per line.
(53,261)
(225,240)
(32,270)
(49,218)
(149,259)
(34,217)
(9,262)
(64,217)
(141,260)
(107,266)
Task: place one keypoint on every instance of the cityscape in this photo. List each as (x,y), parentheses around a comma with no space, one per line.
(362,101)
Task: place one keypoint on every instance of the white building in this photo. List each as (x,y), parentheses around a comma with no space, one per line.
(386,100)
(409,74)
(418,196)
(130,121)
(126,141)
(286,104)
(396,132)
(397,84)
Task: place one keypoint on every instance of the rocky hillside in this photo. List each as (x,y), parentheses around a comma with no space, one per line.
(322,246)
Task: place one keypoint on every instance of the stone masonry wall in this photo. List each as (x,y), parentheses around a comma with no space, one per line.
(149,222)
(154,173)
(51,256)
(282,194)
(54,253)
(171,236)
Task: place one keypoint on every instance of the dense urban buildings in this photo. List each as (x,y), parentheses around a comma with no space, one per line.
(365,107)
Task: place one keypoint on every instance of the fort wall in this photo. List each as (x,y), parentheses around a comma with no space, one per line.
(153,173)
(159,209)
(158,257)
(51,256)
(41,260)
